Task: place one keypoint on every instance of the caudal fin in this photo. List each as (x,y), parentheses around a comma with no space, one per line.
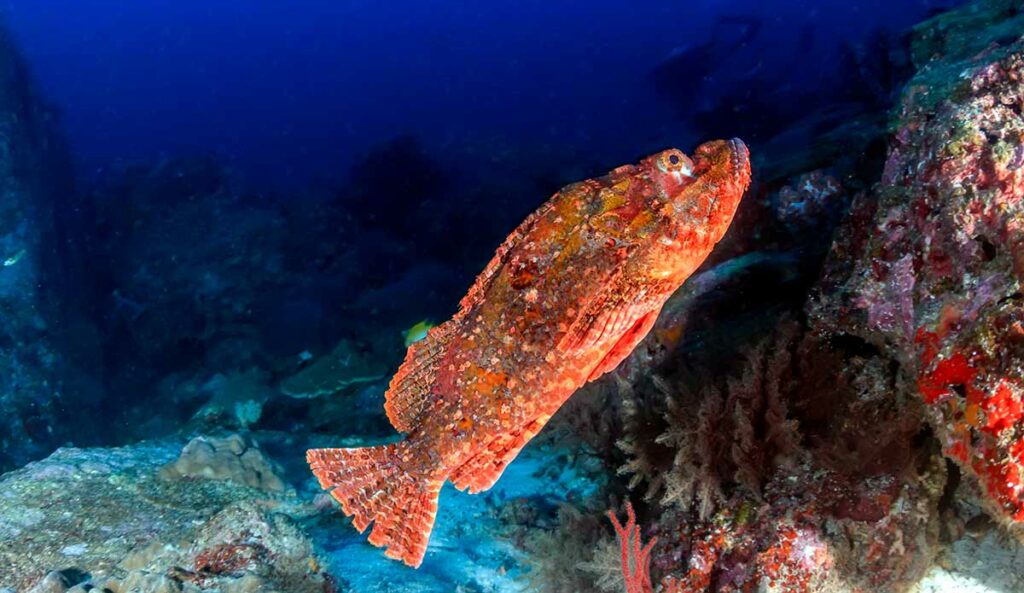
(372,487)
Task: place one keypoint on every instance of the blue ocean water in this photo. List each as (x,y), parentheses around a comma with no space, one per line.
(291,93)
(226,221)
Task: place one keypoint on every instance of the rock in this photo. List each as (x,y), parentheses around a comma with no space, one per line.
(344,367)
(236,398)
(55,582)
(33,170)
(186,262)
(806,204)
(129,530)
(234,457)
(135,582)
(978,564)
(929,269)
(242,549)
(665,340)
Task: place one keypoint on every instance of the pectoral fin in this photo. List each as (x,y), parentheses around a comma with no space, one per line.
(625,345)
(605,317)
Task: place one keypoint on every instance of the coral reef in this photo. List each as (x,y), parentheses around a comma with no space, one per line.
(935,282)
(817,531)
(783,454)
(833,403)
(234,458)
(145,532)
(858,446)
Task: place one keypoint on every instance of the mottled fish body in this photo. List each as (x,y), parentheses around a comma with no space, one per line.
(565,299)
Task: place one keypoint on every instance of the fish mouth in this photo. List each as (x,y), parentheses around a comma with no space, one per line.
(740,155)
(731,157)
(739,161)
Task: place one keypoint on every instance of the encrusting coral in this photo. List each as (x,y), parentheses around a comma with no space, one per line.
(937,280)
(234,457)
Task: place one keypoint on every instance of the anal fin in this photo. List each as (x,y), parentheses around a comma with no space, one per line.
(409,392)
(482,470)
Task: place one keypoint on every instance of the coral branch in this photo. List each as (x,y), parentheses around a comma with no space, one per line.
(636,557)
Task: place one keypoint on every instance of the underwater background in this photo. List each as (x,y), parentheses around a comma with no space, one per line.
(222,224)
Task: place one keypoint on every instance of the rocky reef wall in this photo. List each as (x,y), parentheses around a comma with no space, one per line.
(34,175)
(936,283)
(877,430)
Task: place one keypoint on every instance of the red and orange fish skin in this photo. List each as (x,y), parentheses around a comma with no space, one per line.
(638,231)
(564,300)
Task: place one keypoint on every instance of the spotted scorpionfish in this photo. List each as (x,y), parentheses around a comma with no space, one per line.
(565,299)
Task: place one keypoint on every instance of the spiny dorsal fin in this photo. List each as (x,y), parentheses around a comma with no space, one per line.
(409,393)
(480,284)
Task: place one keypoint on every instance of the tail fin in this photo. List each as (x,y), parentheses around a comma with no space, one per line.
(372,486)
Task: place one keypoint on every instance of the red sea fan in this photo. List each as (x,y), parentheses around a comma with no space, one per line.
(636,557)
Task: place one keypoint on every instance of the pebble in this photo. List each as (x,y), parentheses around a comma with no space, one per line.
(74,550)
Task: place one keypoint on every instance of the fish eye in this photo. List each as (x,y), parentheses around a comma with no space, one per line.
(675,162)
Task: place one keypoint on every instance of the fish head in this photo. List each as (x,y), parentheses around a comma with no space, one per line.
(697,197)
(704,190)
(700,194)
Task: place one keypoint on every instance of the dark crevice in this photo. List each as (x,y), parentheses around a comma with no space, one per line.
(948,497)
(852,346)
(988,249)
